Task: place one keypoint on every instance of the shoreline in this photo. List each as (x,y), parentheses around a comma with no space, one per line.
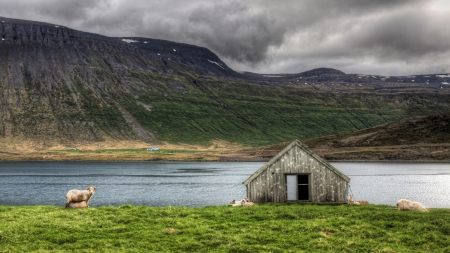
(193,157)
(226,153)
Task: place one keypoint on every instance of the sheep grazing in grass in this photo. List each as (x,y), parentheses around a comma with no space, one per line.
(79,196)
(408,205)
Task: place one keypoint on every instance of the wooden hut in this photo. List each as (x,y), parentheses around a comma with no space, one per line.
(297,174)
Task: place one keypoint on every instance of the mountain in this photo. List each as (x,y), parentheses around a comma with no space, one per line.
(426,129)
(60,87)
(419,138)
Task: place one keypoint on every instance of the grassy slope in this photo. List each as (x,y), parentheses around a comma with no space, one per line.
(430,129)
(419,138)
(256,114)
(261,228)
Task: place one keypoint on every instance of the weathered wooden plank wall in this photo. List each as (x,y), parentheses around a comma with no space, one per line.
(270,184)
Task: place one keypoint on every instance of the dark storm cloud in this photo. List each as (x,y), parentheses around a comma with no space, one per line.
(366,36)
(407,35)
(234,31)
(67,10)
(50,10)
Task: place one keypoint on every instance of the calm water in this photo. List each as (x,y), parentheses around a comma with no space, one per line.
(202,184)
(385,183)
(138,183)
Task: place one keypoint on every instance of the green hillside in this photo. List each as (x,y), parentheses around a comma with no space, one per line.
(258,114)
(413,139)
(433,129)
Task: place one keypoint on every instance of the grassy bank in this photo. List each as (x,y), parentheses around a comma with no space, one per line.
(261,228)
(138,154)
(411,153)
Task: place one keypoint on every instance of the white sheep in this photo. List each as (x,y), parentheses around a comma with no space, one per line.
(236,203)
(352,201)
(243,202)
(407,205)
(77,196)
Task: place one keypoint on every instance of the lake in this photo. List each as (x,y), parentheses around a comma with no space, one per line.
(204,183)
(385,183)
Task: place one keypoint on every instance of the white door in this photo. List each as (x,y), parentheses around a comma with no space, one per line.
(291,181)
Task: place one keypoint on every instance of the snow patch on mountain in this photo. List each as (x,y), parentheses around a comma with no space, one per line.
(129,40)
(218,64)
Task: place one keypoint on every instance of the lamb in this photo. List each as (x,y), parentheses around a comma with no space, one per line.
(79,196)
(406,205)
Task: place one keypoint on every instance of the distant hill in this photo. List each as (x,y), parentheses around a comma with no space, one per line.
(418,138)
(410,131)
(60,87)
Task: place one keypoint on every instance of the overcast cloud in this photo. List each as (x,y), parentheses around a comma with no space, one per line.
(385,37)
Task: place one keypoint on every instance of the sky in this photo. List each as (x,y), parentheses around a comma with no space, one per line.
(377,37)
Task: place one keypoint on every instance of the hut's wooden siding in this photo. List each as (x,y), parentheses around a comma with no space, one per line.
(324,184)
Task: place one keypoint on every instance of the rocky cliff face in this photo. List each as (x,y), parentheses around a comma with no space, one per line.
(62,86)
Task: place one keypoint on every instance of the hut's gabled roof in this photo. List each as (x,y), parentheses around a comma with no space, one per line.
(304,148)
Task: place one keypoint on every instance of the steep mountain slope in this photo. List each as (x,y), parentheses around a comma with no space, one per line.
(59,86)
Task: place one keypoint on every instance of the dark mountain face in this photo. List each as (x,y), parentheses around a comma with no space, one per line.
(201,59)
(25,34)
(62,86)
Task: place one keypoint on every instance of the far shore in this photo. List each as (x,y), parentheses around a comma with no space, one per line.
(181,155)
(215,151)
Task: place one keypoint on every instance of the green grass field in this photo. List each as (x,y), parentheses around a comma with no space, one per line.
(259,228)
